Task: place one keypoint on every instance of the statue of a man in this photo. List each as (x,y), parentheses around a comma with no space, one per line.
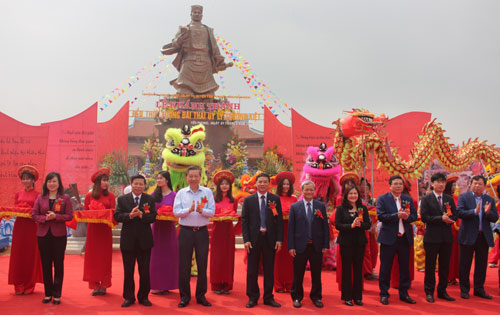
(198,56)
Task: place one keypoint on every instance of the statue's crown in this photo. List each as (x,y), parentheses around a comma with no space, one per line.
(196,6)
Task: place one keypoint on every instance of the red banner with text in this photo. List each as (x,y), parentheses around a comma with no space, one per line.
(19,144)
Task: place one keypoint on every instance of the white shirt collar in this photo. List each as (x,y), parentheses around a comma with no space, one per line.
(437,195)
(260,195)
(305,203)
(133,195)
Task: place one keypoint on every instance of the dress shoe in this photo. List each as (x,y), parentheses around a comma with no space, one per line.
(384,300)
(318,303)
(251,304)
(358,302)
(272,303)
(203,302)
(407,299)
(226,292)
(56,301)
(182,304)
(445,296)
(483,295)
(95,292)
(47,299)
(348,303)
(370,276)
(145,302)
(218,291)
(429,298)
(127,303)
(297,304)
(464,295)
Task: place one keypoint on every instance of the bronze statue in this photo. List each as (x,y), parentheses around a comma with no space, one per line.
(198,56)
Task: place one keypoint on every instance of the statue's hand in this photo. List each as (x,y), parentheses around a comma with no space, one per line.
(230,64)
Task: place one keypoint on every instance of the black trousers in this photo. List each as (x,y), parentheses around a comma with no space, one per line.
(299,268)
(352,271)
(387,252)
(432,250)
(480,248)
(199,241)
(263,248)
(129,257)
(52,250)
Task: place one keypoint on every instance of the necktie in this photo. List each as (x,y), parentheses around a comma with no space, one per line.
(401,229)
(263,211)
(309,212)
(136,201)
(440,203)
(309,220)
(480,202)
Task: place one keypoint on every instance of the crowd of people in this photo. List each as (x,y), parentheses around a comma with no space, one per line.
(281,234)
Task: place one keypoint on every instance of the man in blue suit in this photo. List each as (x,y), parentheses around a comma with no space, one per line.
(396,211)
(308,239)
(476,210)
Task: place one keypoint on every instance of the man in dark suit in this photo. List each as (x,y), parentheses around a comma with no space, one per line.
(308,239)
(262,229)
(476,210)
(438,212)
(137,211)
(396,211)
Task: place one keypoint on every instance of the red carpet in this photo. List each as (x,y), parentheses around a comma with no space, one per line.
(76,297)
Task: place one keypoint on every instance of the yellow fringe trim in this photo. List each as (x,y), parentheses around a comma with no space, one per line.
(88,220)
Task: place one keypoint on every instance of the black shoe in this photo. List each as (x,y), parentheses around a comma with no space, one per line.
(46,300)
(251,304)
(182,304)
(358,302)
(95,292)
(203,302)
(318,303)
(384,300)
(445,296)
(483,295)
(145,302)
(272,303)
(464,295)
(226,292)
(407,299)
(218,291)
(297,304)
(127,303)
(370,276)
(56,302)
(348,303)
(429,298)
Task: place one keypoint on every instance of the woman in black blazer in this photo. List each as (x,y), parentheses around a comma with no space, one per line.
(352,219)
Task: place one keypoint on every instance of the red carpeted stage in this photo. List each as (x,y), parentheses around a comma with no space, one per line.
(76,297)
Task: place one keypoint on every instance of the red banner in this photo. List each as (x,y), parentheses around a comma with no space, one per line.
(71,149)
(402,131)
(112,135)
(19,144)
(304,134)
(277,134)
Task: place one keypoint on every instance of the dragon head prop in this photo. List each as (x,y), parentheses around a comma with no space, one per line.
(184,147)
(360,122)
(322,167)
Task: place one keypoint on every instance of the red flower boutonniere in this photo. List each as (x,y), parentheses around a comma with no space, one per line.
(406,205)
(272,205)
(203,201)
(448,209)
(319,214)
(57,205)
(146,208)
(360,214)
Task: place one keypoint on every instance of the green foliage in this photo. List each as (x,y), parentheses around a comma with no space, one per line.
(151,149)
(273,162)
(118,163)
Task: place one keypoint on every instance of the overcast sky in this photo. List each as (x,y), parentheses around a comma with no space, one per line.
(321,57)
